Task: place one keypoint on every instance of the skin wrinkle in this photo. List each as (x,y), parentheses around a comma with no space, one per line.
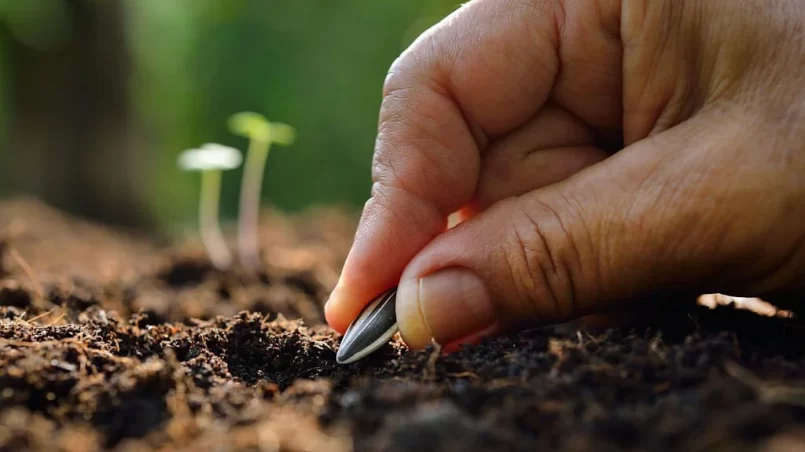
(720,87)
(597,264)
(647,205)
(510,175)
(390,111)
(385,163)
(739,60)
(612,24)
(559,24)
(476,131)
(536,266)
(640,117)
(448,68)
(383,193)
(568,275)
(525,286)
(720,231)
(524,152)
(381,201)
(688,99)
(426,182)
(667,113)
(382,168)
(609,227)
(421,119)
(403,113)
(581,136)
(461,85)
(399,73)
(688,189)
(588,61)
(630,212)
(526,70)
(566,91)
(729,60)
(381,196)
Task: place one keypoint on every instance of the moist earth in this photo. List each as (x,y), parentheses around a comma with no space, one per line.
(112,341)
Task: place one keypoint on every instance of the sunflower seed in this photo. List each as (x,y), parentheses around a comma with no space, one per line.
(371,330)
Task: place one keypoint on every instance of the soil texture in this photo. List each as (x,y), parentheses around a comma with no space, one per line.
(109,341)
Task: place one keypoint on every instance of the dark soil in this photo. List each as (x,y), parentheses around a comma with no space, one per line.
(108,341)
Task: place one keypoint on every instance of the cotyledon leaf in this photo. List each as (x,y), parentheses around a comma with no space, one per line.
(373,328)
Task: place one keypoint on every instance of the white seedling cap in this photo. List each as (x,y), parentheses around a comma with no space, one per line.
(211,156)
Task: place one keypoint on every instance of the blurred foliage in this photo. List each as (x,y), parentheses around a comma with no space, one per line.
(4,108)
(41,24)
(318,65)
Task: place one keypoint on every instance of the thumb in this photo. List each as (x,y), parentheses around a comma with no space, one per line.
(614,231)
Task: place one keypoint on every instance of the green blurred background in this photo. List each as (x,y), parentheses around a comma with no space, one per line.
(98,97)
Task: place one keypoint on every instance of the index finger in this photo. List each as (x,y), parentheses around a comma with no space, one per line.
(480,73)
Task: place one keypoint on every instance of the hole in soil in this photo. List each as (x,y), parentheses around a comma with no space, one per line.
(14,296)
(224,293)
(11,313)
(261,306)
(136,413)
(186,273)
(77,299)
(254,354)
(147,318)
(80,301)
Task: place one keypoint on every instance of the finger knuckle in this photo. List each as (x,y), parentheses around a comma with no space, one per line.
(541,257)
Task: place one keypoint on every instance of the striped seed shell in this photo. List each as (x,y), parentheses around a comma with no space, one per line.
(373,328)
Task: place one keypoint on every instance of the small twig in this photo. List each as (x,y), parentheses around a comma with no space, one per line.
(582,348)
(741,374)
(21,317)
(767,392)
(430,366)
(56,320)
(44,314)
(590,337)
(464,374)
(27,269)
(695,322)
(308,371)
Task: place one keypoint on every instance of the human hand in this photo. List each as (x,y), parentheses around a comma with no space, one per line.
(500,113)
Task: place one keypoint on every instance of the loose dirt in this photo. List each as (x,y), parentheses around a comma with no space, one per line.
(109,341)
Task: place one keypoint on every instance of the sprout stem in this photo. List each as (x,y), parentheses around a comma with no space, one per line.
(248,245)
(211,234)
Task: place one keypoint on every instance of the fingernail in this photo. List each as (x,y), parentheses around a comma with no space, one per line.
(446,306)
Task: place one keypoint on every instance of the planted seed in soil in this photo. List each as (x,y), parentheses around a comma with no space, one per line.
(112,342)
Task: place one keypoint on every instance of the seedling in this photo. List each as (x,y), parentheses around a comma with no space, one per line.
(373,328)
(211,160)
(261,134)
